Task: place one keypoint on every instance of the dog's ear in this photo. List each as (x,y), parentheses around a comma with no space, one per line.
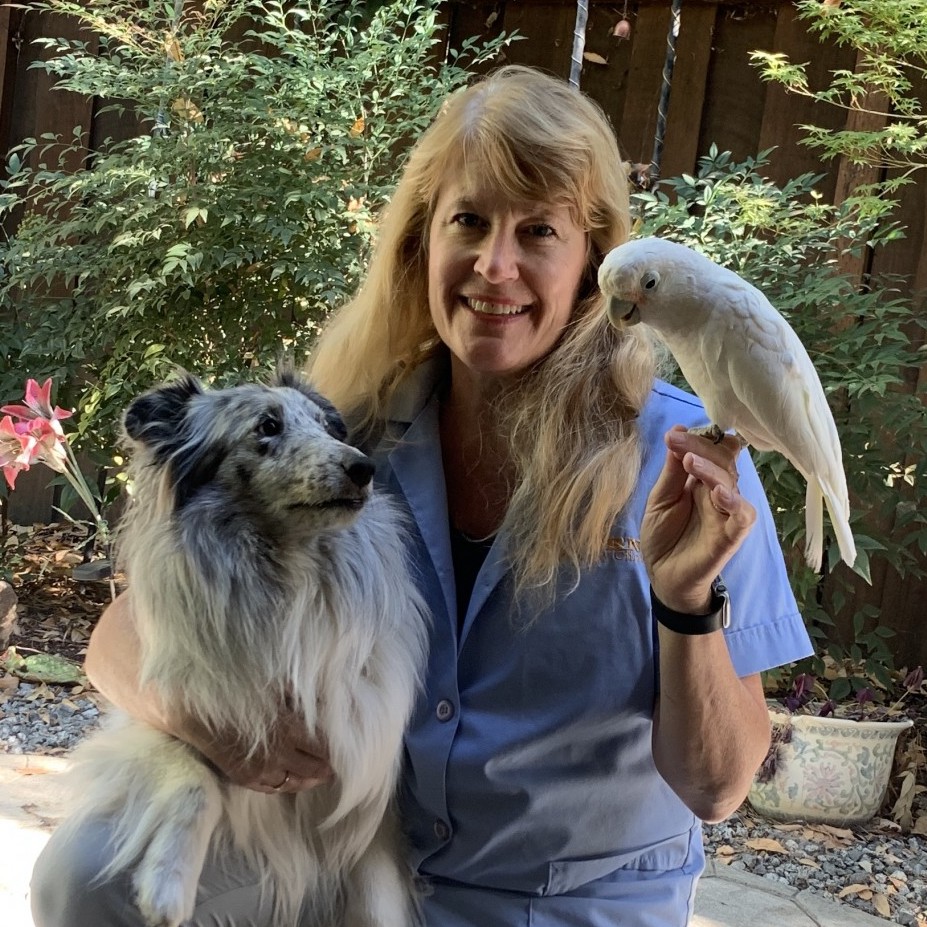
(192,467)
(155,418)
(286,375)
(159,419)
(333,419)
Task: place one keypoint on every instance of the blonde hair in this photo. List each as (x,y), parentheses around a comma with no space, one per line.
(571,418)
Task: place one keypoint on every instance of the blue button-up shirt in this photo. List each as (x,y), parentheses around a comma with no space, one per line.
(530,794)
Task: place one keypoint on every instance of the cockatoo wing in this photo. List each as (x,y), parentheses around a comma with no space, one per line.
(783,407)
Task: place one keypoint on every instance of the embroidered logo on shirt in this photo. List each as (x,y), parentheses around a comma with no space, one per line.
(624,548)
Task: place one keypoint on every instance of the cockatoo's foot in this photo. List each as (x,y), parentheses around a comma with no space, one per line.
(715,434)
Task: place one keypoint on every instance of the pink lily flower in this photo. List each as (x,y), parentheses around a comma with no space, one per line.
(38,406)
(32,433)
(13,458)
(43,442)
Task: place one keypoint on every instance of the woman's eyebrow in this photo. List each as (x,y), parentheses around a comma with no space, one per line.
(463,203)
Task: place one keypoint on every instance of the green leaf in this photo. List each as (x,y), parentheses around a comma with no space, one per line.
(840,688)
(42,667)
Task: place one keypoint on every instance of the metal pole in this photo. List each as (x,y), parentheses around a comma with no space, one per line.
(663,106)
(579,41)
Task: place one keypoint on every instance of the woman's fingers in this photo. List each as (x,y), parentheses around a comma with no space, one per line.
(695,518)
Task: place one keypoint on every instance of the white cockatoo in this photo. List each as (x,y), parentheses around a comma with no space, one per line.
(743,361)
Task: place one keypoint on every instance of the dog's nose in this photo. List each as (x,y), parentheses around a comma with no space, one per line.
(361,471)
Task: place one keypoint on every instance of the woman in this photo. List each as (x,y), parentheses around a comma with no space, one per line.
(584,708)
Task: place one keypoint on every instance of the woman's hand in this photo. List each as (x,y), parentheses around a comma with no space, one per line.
(292,762)
(695,519)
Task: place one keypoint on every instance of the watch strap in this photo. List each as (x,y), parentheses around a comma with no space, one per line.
(718,618)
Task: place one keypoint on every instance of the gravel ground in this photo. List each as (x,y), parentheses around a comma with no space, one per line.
(876,868)
(45,719)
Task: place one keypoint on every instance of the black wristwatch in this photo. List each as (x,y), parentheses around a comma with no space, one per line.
(719,617)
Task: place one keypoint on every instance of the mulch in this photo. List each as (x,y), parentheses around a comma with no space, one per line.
(55,613)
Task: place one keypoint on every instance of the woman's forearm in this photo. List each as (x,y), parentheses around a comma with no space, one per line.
(113,664)
(711,728)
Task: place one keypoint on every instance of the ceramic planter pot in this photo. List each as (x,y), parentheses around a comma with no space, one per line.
(828,770)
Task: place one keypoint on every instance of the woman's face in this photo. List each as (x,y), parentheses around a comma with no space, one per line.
(503,277)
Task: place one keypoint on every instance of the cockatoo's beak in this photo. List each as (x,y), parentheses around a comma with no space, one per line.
(622,312)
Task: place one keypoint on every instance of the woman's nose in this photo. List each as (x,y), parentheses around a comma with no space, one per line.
(497,260)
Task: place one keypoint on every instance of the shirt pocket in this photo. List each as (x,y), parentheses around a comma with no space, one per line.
(567,875)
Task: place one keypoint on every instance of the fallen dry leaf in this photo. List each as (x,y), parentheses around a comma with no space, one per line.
(594,58)
(857,888)
(841,833)
(903,810)
(766,844)
(807,861)
(725,850)
(832,838)
(880,903)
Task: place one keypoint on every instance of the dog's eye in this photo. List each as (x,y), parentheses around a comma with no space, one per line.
(335,426)
(268,427)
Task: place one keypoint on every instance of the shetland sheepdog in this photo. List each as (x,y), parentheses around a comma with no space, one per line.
(262,570)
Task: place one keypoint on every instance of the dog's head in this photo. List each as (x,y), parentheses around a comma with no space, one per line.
(275,450)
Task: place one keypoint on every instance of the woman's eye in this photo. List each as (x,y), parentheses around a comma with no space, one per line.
(542,230)
(467,220)
(269,427)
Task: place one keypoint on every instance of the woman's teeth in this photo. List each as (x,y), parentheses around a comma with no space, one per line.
(478,305)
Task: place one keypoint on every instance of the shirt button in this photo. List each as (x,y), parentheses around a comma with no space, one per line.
(442,829)
(445,710)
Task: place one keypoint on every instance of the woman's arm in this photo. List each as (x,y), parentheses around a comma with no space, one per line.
(113,665)
(711,728)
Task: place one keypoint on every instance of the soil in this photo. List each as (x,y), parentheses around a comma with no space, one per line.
(55,613)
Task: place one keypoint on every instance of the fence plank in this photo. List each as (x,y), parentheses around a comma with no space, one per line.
(733,113)
(638,119)
(607,84)
(694,48)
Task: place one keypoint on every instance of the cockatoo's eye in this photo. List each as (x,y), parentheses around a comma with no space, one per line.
(650,280)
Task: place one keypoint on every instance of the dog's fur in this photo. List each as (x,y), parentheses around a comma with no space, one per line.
(262,570)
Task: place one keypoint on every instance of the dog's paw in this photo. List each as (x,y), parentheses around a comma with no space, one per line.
(163,900)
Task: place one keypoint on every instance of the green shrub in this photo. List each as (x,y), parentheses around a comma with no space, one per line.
(787,242)
(890,40)
(240,210)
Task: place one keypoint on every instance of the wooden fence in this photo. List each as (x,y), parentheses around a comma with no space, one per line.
(717,97)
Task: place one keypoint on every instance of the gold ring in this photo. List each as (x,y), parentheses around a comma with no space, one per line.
(286,779)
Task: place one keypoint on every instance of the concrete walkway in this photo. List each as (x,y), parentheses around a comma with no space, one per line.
(32,803)
(732,898)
